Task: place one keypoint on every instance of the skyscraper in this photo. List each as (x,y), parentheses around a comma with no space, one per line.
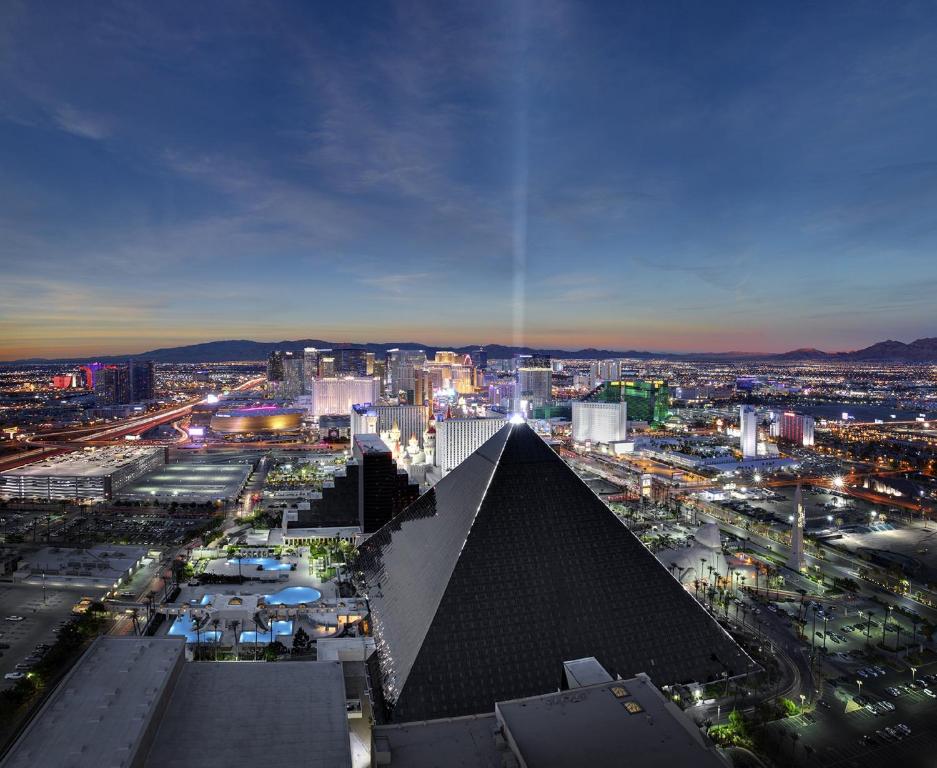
(275,366)
(311,357)
(748,431)
(796,428)
(451,371)
(606,370)
(142,380)
(480,358)
(600,422)
(112,385)
(327,365)
(457,439)
(410,419)
(422,387)
(350,361)
(383,490)
(401,364)
(368,493)
(336,395)
(534,386)
(88,373)
(647,399)
(294,379)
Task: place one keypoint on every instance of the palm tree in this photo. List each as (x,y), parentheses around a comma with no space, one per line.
(236,624)
(813,636)
(914,622)
(868,629)
(803,594)
(214,626)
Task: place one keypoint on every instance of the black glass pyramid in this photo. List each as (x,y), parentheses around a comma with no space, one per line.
(511,565)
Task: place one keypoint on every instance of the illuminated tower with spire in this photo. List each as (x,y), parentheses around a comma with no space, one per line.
(796,561)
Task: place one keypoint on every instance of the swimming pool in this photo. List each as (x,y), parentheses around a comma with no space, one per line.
(264,563)
(183,625)
(280,629)
(293,596)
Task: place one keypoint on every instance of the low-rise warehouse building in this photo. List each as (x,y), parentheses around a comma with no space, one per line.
(134,701)
(94,475)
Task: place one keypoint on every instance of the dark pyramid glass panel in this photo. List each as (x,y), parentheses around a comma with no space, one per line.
(544,573)
(407,563)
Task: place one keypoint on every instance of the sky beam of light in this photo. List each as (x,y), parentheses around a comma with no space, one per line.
(521,175)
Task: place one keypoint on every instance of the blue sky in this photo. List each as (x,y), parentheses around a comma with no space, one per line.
(671,176)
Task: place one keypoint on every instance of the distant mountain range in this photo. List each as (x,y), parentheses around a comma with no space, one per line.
(920,351)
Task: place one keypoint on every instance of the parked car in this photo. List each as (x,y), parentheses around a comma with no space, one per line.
(14,618)
(14,676)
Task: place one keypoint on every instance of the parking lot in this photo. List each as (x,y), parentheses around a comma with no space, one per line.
(870,710)
(846,733)
(40,618)
(85,526)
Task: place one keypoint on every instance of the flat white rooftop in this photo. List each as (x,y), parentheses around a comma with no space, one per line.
(189,480)
(615,723)
(135,701)
(286,713)
(100,713)
(100,462)
(610,724)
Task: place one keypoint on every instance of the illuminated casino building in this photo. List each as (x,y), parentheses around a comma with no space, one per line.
(65,380)
(334,395)
(88,373)
(257,420)
(451,371)
(796,428)
(400,365)
(647,399)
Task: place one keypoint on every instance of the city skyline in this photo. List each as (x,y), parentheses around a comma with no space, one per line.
(561,175)
(919,350)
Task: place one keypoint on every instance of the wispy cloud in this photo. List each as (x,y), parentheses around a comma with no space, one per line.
(79,123)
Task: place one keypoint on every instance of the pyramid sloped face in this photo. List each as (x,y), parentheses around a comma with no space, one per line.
(544,573)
